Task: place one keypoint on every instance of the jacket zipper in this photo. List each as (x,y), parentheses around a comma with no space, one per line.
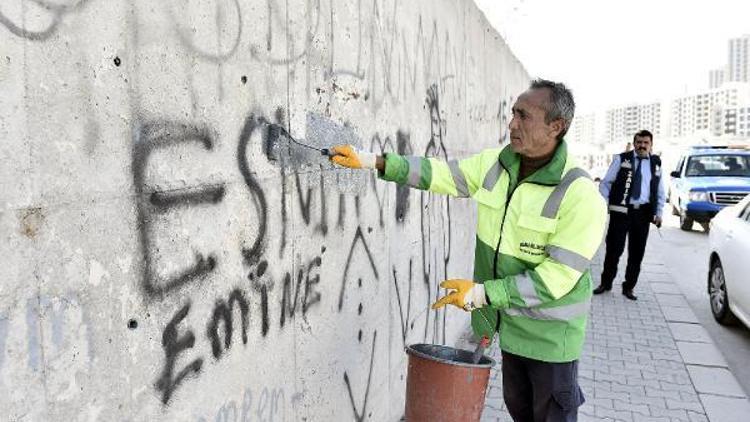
(505,213)
(502,223)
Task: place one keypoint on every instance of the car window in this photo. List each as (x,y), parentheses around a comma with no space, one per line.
(718,165)
(679,165)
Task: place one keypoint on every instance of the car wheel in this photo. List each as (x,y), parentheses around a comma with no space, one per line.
(686,223)
(718,296)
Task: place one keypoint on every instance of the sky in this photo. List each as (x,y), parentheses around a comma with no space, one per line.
(613,52)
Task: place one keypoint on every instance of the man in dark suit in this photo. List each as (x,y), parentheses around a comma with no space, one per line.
(635,193)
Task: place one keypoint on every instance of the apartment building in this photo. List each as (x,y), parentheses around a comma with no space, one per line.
(622,123)
(738,68)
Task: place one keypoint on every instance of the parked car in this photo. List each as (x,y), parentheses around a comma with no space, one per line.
(729,264)
(706,180)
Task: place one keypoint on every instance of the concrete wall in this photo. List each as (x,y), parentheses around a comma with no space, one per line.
(167,253)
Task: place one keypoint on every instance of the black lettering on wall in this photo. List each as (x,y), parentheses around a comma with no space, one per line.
(322,227)
(149,137)
(252,254)
(304,200)
(223,312)
(262,285)
(289,304)
(173,345)
(311,296)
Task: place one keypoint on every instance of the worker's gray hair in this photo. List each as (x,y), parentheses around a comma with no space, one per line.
(560,105)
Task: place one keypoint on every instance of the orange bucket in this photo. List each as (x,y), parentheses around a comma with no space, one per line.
(442,384)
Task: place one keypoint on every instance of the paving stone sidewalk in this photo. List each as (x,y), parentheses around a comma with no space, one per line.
(648,360)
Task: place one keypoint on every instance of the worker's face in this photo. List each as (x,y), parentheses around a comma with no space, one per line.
(642,146)
(530,135)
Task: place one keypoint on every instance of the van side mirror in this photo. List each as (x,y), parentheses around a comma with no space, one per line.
(675,174)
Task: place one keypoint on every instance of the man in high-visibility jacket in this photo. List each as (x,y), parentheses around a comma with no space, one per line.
(540,220)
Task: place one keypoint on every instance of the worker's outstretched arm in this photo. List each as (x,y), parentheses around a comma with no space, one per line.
(459,178)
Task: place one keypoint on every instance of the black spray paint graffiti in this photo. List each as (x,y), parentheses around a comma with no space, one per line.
(359,416)
(152,203)
(278,21)
(281,149)
(174,344)
(435,221)
(223,315)
(228,19)
(252,123)
(397,65)
(358,238)
(151,136)
(53,13)
(299,287)
(159,134)
(220,44)
(405,325)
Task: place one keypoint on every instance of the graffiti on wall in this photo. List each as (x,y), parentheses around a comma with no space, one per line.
(297,222)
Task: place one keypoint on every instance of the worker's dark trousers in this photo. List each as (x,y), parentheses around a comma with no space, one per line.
(634,225)
(536,391)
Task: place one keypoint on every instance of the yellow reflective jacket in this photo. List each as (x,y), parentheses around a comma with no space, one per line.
(534,243)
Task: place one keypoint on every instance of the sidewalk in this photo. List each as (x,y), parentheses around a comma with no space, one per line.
(647,360)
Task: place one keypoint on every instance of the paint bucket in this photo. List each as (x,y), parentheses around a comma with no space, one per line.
(442,384)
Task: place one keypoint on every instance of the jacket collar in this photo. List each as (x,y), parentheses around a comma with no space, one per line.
(550,174)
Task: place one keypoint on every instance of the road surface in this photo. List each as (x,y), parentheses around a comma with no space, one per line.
(686,255)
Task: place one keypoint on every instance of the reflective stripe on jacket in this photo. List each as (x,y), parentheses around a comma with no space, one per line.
(552,223)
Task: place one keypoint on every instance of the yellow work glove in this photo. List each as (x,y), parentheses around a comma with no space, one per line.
(466,295)
(347,156)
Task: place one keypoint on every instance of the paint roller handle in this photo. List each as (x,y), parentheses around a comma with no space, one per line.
(479,351)
(485,342)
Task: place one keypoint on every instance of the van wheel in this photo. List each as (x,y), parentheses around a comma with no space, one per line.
(686,223)
(718,295)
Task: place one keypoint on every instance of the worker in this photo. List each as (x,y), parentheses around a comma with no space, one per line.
(540,220)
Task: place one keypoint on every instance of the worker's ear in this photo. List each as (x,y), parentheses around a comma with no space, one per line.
(556,127)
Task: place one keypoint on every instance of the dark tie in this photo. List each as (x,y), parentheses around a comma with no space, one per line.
(635,192)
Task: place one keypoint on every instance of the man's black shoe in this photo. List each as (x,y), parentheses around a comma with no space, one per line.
(629,294)
(601,289)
